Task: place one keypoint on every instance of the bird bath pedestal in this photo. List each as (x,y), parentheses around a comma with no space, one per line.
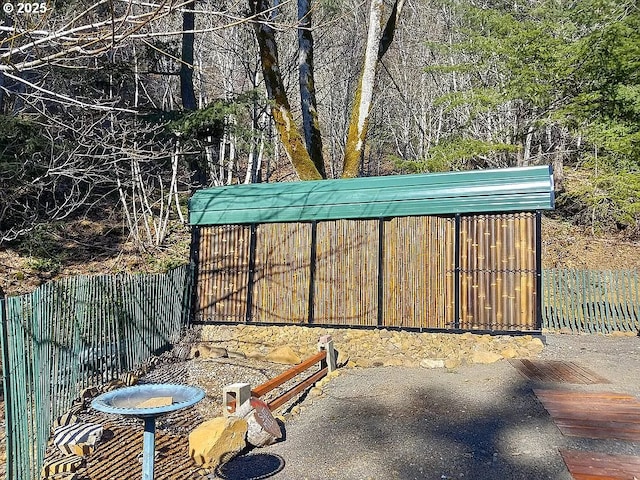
(148,402)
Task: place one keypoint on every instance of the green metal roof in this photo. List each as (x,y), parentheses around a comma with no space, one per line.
(477,191)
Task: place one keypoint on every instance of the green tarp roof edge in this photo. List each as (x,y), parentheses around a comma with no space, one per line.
(476,191)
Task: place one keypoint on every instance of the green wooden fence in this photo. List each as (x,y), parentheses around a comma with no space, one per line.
(590,301)
(76,332)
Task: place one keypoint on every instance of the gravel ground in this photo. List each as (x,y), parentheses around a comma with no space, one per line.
(481,422)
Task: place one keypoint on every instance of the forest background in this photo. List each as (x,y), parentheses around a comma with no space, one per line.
(113,112)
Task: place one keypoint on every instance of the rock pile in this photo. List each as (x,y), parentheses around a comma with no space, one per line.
(370,348)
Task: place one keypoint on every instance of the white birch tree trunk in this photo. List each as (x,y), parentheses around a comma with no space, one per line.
(378,42)
(364,93)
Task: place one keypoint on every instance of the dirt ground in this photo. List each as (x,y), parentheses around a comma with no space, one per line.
(567,246)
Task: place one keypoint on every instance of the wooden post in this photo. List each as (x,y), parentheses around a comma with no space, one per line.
(326,343)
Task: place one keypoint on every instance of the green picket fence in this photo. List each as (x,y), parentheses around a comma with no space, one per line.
(590,301)
(76,332)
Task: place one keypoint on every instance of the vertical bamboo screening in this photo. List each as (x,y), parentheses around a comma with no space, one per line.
(223,273)
(584,301)
(399,272)
(346,287)
(418,261)
(497,269)
(282,273)
(76,332)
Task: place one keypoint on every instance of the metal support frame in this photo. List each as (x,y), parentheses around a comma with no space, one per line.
(380,272)
(538,241)
(194,262)
(253,241)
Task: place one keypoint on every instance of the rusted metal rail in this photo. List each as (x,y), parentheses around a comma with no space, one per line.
(269,385)
(282,399)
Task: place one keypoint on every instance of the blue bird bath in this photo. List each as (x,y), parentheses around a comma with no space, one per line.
(131,401)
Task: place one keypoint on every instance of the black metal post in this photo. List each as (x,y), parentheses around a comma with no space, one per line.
(194,264)
(312,269)
(381,272)
(538,270)
(456,278)
(253,241)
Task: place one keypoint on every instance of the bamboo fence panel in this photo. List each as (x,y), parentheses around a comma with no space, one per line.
(584,301)
(283,271)
(77,332)
(223,273)
(346,286)
(497,272)
(463,254)
(417,282)
(448,264)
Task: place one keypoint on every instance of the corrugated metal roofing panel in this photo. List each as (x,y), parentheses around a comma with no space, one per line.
(481,191)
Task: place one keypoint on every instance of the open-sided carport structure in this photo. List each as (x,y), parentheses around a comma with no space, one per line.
(446,251)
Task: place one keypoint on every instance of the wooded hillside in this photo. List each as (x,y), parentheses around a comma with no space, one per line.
(119,109)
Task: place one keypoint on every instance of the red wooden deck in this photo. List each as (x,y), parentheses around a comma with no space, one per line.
(601,466)
(604,415)
(557,372)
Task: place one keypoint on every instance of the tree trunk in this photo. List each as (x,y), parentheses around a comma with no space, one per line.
(310,124)
(378,42)
(291,139)
(186,65)
(526,154)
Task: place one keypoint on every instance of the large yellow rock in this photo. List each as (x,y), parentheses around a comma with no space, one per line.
(509,352)
(451,363)
(217,441)
(207,351)
(284,355)
(481,356)
(535,346)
